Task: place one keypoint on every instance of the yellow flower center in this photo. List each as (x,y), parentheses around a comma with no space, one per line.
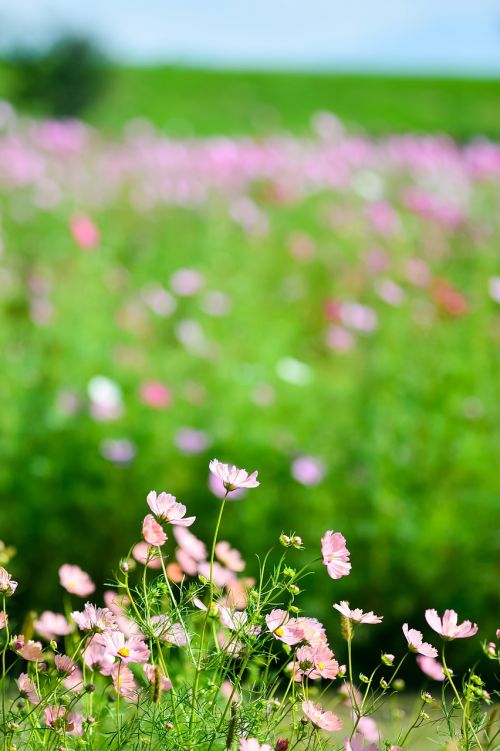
(123,652)
(280,631)
(321,665)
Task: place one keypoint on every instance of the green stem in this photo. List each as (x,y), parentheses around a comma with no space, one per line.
(465,719)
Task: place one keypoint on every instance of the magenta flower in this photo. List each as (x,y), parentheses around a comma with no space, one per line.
(447,627)
(357,615)
(431,667)
(335,554)
(165,507)
(51,625)
(283,627)
(127,650)
(232,477)
(94,619)
(320,718)
(416,642)
(75,581)
(7,585)
(153,532)
(27,689)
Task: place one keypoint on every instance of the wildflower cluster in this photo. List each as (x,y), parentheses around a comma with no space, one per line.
(188,653)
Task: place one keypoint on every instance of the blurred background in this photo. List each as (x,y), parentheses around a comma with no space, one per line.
(268,233)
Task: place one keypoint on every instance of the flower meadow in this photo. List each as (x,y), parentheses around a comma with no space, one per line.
(324,307)
(187,652)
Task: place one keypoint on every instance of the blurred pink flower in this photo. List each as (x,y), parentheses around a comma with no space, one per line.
(358,742)
(358,317)
(142,553)
(232,477)
(252,744)
(85,232)
(153,532)
(308,471)
(94,619)
(118,450)
(447,627)
(190,441)
(155,394)
(30,650)
(53,716)
(335,554)
(283,627)
(75,581)
(367,727)
(190,544)
(51,625)
(123,681)
(321,719)
(220,575)
(27,688)
(416,643)
(166,630)
(357,615)
(382,218)
(229,557)
(7,584)
(165,507)
(339,338)
(64,664)
(494,288)
(4,619)
(431,667)
(155,676)
(389,292)
(186,282)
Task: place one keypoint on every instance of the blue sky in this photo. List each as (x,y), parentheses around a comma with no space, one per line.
(447,36)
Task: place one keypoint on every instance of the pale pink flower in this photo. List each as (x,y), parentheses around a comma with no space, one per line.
(54,716)
(164,629)
(186,282)
(4,619)
(75,581)
(51,625)
(308,470)
(232,477)
(64,664)
(359,743)
(315,662)
(95,619)
(153,532)
(252,744)
(30,650)
(134,649)
(227,690)
(155,394)
(97,657)
(416,642)
(27,688)
(191,441)
(220,575)
(165,507)
(144,554)
(313,631)
(74,723)
(335,554)
(7,585)
(494,288)
(190,544)
(74,680)
(357,615)
(283,627)
(232,619)
(431,667)
(216,486)
(188,565)
(123,681)
(84,231)
(497,633)
(368,728)
(339,339)
(447,627)
(229,557)
(320,718)
(155,675)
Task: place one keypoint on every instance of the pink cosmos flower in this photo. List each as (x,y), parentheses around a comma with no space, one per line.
(4,619)
(190,544)
(94,619)
(283,627)
(315,662)
(252,744)
(27,688)
(313,631)
(431,667)
(335,554)
(416,642)
(143,553)
(186,282)
(220,575)
(357,615)
(75,581)
(216,486)
(367,727)
(359,743)
(191,441)
(165,507)
(123,681)
(153,532)
(447,627)
(30,650)
(166,630)
(232,619)
(54,715)
(7,585)
(51,625)
(229,557)
(155,394)
(227,690)
(154,675)
(64,664)
(97,657)
(308,470)
(232,477)
(74,680)
(85,232)
(320,718)
(188,565)
(127,650)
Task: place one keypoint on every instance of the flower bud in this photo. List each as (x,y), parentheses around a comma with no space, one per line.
(363,678)
(424,715)
(124,566)
(202,579)
(89,688)
(384,684)
(282,744)
(490,649)
(285,540)
(169,726)
(426,697)
(289,572)
(293,589)
(387,659)
(53,645)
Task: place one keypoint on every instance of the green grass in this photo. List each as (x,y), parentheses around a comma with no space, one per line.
(184,101)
